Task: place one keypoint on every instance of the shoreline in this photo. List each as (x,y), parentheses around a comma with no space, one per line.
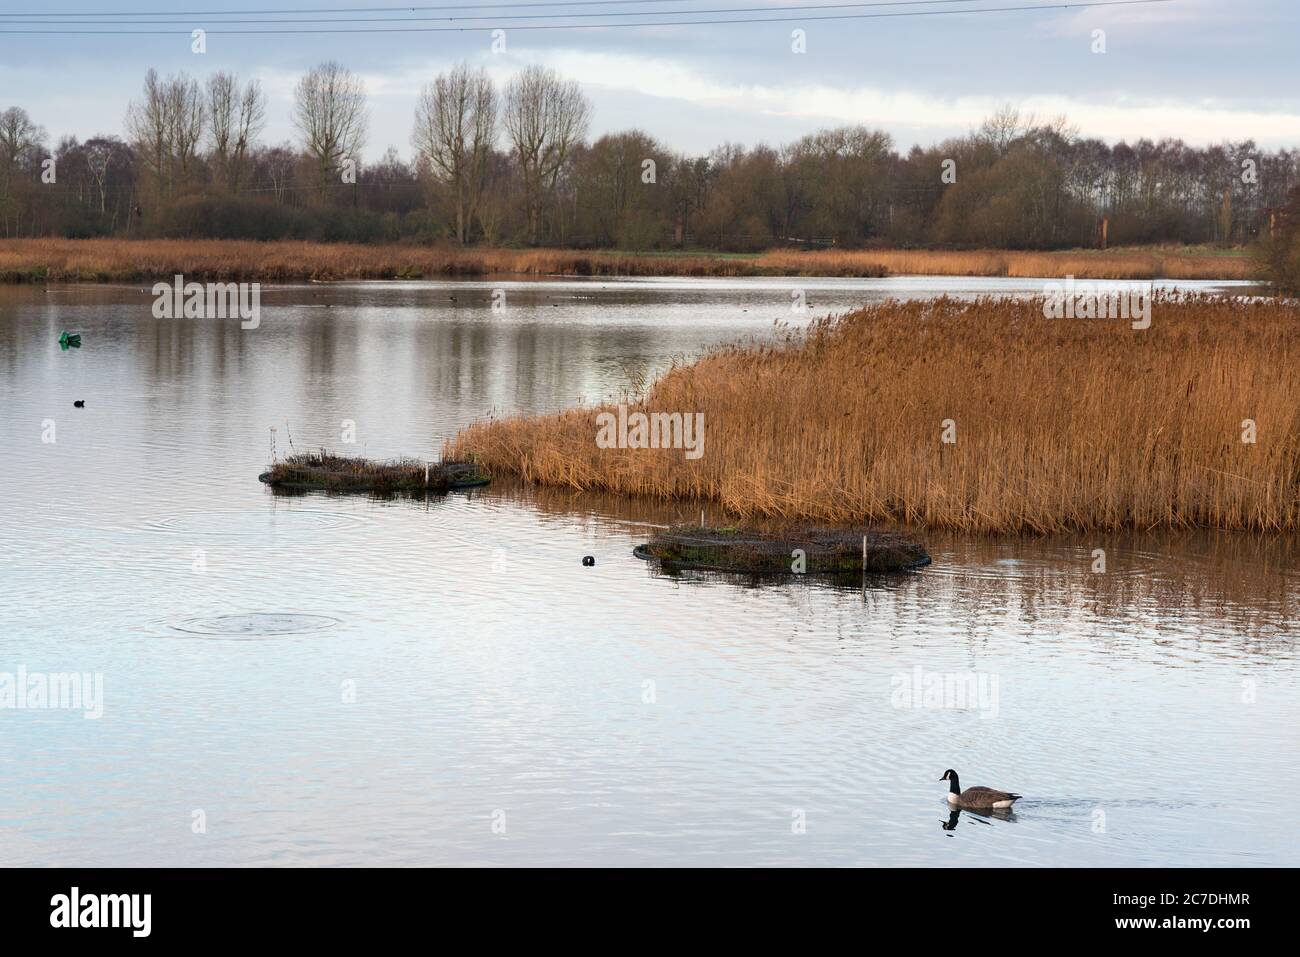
(44,261)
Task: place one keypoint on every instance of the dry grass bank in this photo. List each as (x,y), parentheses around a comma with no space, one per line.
(1060,424)
(1155,262)
(122,260)
(110,260)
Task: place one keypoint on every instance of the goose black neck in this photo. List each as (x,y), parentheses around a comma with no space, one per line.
(953,786)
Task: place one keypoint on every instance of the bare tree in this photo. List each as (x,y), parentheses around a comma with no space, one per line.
(235,117)
(99,153)
(186,106)
(166,126)
(1004,127)
(274,165)
(252,119)
(148,126)
(455,126)
(545,117)
(19,137)
(331,115)
(20,141)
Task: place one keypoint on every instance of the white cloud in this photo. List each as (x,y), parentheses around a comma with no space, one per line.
(1159,14)
(1110,118)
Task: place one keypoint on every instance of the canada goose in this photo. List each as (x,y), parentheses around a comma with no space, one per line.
(977,797)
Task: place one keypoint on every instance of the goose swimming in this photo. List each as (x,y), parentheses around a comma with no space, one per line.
(976,798)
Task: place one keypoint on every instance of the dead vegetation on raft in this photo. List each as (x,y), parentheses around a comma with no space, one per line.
(1057,424)
(338,473)
(802,550)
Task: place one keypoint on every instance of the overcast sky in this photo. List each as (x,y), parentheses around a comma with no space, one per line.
(1203,70)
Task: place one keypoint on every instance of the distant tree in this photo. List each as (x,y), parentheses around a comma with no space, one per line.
(688,190)
(21,142)
(236,115)
(455,127)
(187,120)
(101,154)
(271,170)
(165,126)
(622,201)
(330,113)
(391,185)
(846,180)
(500,210)
(20,139)
(1279,251)
(546,118)
(97,186)
(1003,128)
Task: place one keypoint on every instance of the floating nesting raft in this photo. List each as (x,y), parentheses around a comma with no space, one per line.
(337,473)
(826,551)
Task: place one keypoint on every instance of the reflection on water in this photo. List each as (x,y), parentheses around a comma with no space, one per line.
(977,816)
(1203,583)
(425,669)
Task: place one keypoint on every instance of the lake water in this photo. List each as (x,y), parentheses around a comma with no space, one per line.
(316,680)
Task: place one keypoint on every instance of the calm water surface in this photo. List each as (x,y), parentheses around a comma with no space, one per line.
(348,681)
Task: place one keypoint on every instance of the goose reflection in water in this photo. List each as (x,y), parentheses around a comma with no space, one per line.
(1001,814)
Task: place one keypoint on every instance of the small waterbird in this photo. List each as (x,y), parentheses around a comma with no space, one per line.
(976,798)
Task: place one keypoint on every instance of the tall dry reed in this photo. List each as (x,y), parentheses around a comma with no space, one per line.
(1060,424)
(122,260)
(1155,262)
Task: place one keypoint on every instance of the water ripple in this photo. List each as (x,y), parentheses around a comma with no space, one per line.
(256,625)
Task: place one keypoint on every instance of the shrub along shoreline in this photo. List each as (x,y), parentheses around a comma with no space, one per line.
(981,417)
(140,260)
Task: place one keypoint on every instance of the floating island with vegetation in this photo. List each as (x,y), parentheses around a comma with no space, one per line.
(323,471)
(812,550)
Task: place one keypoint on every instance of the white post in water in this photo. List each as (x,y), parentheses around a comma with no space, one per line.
(864,569)
(273,445)
(701,518)
(426,474)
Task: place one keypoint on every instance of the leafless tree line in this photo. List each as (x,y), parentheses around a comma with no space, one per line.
(515,165)
(545,118)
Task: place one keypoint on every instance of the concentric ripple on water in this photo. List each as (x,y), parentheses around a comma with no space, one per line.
(256,625)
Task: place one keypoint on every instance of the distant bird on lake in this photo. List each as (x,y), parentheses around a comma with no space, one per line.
(976,798)
(79,403)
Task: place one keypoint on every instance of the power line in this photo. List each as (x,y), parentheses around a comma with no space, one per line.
(596,26)
(531,16)
(406,9)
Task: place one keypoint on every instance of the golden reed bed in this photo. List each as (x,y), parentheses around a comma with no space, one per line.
(122,260)
(1060,424)
(1127,263)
